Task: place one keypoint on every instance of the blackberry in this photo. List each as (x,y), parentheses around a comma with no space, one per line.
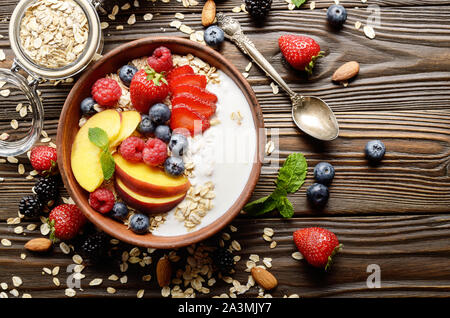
(94,246)
(47,189)
(258,8)
(30,205)
(223,260)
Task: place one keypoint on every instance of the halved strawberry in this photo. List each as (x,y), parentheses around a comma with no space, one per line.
(188,79)
(195,90)
(198,105)
(181,70)
(183,117)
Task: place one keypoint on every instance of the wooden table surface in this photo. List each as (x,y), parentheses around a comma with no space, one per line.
(396,215)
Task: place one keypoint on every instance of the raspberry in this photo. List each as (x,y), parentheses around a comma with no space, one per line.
(106,92)
(161,60)
(155,152)
(102,200)
(131,149)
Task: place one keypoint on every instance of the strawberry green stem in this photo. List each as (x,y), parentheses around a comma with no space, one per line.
(310,66)
(330,258)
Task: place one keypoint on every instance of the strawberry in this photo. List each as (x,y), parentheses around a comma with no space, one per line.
(66,220)
(147,88)
(195,90)
(181,70)
(184,118)
(301,52)
(317,246)
(43,159)
(188,79)
(198,105)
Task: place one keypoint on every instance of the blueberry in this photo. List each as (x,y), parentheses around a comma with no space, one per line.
(163,132)
(178,144)
(139,223)
(318,194)
(119,211)
(336,15)
(87,106)
(159,113)
(214,35)
(324,172)
(375,150)
(174,166)
(126,73)
(146,126)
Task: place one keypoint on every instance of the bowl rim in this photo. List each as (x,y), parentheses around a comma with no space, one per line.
(162,242)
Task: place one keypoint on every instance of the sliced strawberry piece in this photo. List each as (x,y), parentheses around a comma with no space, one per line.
(198,105)
(188,79)
(183,117)
(181,70)
(195,90)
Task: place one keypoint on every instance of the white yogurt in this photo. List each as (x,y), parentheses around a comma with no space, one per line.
(224,155)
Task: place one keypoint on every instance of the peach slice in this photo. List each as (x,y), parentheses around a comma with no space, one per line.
(149,181)
(129,123)
(144,203)
(85,156)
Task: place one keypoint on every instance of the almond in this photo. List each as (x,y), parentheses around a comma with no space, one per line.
(208,13)
(346,72)
(264,278)
(163,272)
(38,245)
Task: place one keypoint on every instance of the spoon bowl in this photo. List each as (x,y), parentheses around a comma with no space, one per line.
(314,117)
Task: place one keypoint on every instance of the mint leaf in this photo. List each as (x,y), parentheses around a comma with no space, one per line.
(260,206)
(99,137)
(108,164)
(298,3)
(284,206)
(293,173)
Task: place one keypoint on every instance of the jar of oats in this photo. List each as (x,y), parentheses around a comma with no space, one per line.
(51,40)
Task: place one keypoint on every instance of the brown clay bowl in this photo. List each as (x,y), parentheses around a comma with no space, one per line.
(68,127)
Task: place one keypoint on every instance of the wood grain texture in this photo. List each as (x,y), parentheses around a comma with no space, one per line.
(412,252)
(396,215)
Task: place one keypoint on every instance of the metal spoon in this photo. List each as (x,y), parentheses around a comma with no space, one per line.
(311,114)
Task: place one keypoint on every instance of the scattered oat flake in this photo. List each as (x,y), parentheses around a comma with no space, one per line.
(291,6)
(186,29)
(126,6)
(70,292)
(2,55)
(175,24)
(23,256)
(113,277)
(56,281)
(297,255)
(18,230)
(369,31)
(312,5)
(12,159)
(96,282)
(236,9)
(132,19)
(119,27)
(111,290)
(179,15)
(4,136)
(140,293)
(64,248)
(165,291)
(55,270)
(14,124)
(148,17)
(21,169)
(357,25)
(273,244)
(6,242)
(17,281)
(45,229)
(26,295)
(5,92)
(275,88)
(77,259)
(104,25)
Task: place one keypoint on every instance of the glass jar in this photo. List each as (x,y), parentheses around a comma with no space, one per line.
(38,73)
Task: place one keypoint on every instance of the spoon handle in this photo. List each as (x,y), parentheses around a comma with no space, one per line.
(233,32)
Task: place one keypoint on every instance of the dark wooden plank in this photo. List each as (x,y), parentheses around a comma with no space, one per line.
(412,252)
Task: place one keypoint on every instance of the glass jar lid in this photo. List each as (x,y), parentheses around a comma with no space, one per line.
(55,39)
